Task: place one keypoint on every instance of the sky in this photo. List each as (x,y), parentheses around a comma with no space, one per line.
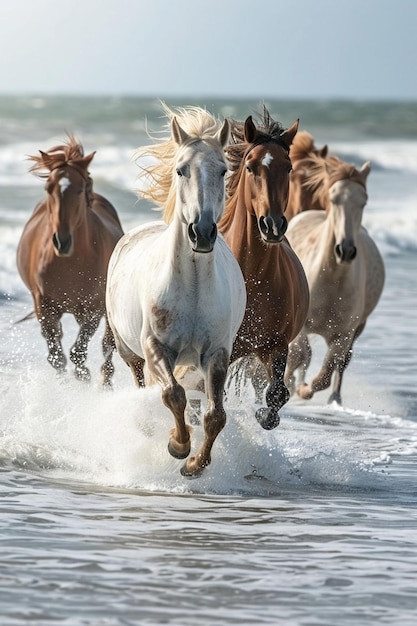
(318,49)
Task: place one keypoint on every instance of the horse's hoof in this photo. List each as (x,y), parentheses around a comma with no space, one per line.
(305,392)
(196,473)
(268,418)
(335,397)
(179,452)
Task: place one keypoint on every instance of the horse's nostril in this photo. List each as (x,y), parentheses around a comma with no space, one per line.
(62,245)
(192,234)
(345,252)
(271,229)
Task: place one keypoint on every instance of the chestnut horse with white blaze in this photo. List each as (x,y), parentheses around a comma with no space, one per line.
(254,226)
(63,253)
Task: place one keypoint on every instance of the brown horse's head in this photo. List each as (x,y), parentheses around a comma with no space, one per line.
(69,191)
(264,173)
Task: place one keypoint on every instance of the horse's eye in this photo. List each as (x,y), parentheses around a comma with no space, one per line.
(179,171)
(249,169)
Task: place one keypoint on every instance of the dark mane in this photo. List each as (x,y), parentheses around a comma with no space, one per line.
(70,153)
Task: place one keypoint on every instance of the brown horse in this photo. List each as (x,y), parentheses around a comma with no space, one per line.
(254,226)
(344,269)
(63,254)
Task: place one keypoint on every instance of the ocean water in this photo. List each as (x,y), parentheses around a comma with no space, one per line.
(312,524)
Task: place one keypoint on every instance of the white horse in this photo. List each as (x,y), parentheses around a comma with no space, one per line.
(344,269)
(175,293)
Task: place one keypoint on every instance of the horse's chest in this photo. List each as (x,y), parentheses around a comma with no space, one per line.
(183,319)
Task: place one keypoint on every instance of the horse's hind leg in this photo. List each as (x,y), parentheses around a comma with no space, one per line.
(298,361)
(336,395)
(51,329)
(109,346)
(160,363)
(215,416)
(335,359)
(78,352)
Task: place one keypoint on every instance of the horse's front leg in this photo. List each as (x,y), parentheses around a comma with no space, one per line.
(277,393)
(160,364)
(51,328)
(215,415)
(78,352)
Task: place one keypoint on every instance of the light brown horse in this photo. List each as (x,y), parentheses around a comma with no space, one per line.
(345,272)
(63,254)
(254,226)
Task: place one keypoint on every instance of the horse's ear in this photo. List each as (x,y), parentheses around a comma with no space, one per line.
(289,134)
(179,135)
(365,169)
(85,161)
(250,131)
(224,133)
(323,152)
(46,160)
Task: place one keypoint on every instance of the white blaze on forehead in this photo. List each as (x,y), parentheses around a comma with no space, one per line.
(267,159)
(64,183)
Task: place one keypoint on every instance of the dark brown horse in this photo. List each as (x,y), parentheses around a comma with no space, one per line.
(254,226)
(63,255)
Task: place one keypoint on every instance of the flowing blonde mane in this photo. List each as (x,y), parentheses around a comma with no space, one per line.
(70,153)
(159,175)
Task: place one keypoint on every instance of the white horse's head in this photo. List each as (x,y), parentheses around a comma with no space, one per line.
(200,168)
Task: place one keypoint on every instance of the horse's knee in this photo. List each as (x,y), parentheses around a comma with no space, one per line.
(174,398)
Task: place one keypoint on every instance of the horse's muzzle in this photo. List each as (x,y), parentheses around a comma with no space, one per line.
(345,252)
(272,231)
(63,246)
(202,238)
